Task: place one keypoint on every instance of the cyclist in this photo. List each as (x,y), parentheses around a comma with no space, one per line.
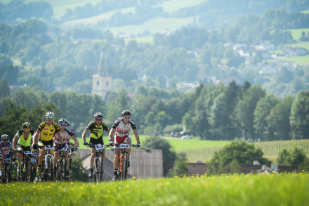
(62,139)
(5,150)
(121,128)
(96,128)
(22,141)
(46,131)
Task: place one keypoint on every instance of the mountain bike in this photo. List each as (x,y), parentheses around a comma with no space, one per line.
(124,161)
(6,172)
(48,163)
(27,170)
(63,173)
(98,170)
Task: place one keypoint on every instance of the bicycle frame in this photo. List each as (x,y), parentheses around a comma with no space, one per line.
(48,161)
(98,162)
(123,158)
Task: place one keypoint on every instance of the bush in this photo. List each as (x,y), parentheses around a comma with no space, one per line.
(295,157)
(78,172)
(234,158)
(180,167)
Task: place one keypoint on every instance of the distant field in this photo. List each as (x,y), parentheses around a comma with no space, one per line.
(296,33)
(305,11)
(203,150)
(156,25)
(301,60)
(174,5)
(271,149)
(60,6)
(232,190)
(96,19)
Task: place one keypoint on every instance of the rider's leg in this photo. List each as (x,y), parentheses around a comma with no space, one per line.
(92,161)
(19,156)
(128,141)
(1,168)
(41,155)
(56,157)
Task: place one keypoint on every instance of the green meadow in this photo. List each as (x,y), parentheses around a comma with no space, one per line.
(202,150)
(254,190)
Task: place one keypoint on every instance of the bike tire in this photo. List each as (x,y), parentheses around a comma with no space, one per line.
(97,170)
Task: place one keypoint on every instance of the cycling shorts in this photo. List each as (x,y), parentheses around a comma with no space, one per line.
(60,146)
(120,140)
(45,143)
(21,148)
(96,141)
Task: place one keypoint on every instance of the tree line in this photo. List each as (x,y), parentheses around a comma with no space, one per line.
(217,112)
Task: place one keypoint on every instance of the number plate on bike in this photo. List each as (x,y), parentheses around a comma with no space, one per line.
(99,147)
(48,147)
(28,153)
(33,160)
(124,146)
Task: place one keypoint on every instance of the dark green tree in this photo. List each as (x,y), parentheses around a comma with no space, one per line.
(299,118)
(234,156)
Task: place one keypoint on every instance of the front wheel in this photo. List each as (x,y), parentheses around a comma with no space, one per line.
(97,174)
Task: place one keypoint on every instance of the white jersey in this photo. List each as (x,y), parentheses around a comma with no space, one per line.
(123,129)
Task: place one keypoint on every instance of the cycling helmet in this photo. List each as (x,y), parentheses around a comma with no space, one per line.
(98,115)
(63,122)
(26,125)
(49,115)
(125,113)
(4,137)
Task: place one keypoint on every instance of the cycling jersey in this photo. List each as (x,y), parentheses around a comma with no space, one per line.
(47,131)
(63,137)
(5,149)
(96,131)
(24,141)
(123,129)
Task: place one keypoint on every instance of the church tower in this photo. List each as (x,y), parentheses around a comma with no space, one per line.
(101,85)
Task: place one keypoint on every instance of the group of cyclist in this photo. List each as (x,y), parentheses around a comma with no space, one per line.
(58,135)
(118,134)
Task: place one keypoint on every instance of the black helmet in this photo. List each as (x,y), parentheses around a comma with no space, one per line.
(4,137)
(125,113)
(98,115)
(63,122)
(26,125)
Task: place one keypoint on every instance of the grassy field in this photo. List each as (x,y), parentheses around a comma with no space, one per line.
(171,6)
(253,190)
(301,60)
(296,33)
(203,150)
(60,6)
(155,25)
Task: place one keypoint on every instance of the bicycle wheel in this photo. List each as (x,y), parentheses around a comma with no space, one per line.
(101,167)
(32,172)
(26,171)
(124,167)
(97,170)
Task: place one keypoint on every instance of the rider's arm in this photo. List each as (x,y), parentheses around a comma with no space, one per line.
(84,134)
(136,136)
(15,139)
(111,135)
(35,137)
(75,141)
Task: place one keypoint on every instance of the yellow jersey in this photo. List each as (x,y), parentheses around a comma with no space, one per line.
(47,132)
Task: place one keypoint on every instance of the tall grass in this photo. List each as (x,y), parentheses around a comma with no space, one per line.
(253,190)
